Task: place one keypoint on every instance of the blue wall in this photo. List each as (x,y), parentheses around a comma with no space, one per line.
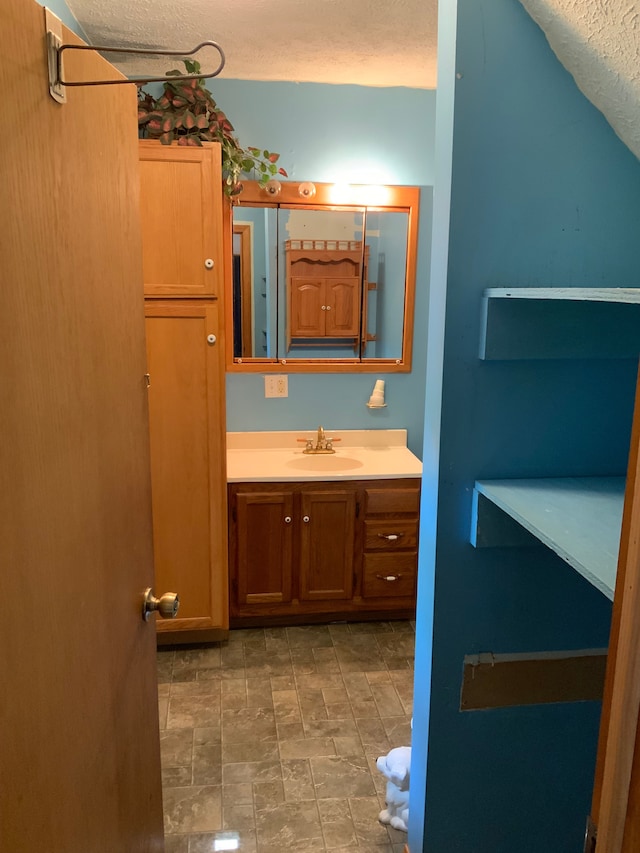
(60,8)
(543,193)
(339,133)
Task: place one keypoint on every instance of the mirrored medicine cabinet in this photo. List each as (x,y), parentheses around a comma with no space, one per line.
(323,278)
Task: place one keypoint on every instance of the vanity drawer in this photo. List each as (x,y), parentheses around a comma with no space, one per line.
(390,501)
(401,568)
(390,535)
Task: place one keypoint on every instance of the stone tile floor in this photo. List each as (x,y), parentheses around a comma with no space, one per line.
(269,741)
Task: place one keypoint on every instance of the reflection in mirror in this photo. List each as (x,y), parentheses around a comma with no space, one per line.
(254,282)
(322,286)
(322,255)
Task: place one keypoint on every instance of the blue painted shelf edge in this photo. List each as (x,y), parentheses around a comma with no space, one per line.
(579,518)
(560,322)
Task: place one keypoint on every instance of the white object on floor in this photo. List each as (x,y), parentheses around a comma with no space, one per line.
(395,767)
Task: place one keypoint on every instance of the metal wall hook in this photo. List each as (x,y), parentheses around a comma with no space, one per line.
(55,49)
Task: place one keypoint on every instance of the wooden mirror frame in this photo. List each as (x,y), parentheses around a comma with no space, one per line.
(396,200)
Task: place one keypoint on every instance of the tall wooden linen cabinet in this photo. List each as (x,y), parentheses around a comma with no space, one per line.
(181,209)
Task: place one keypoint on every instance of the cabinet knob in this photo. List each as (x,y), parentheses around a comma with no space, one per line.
(390,537)
(306,519)
(209,264)
(287,519)
(389,578)
(323,307)
(211,339)
(328,307)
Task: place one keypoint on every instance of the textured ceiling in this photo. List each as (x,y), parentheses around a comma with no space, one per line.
(598,42)
(364,42)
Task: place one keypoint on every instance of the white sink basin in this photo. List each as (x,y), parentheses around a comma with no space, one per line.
(324,462)
(275,457)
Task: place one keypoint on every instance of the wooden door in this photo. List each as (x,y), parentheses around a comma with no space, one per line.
(327,542)
(308,308)
(342,298)
(181,215)
(78,710)
(616,797)
(188,466)
(262,544)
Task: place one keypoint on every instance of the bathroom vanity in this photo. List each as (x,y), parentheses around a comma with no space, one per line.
(319,537)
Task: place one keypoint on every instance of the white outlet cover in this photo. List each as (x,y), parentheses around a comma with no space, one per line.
(276,385)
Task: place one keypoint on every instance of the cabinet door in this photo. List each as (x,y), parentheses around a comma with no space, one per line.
(181,218)
(342,308)
(327,534)
(188,470)
(308,309)
(264,536)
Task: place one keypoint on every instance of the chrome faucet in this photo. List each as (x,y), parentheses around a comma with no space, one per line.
(322,445)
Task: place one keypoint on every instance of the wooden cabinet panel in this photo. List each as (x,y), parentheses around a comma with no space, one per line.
(181,218)
(392,501)
(389,575)
(307,300)
(327,545)
(391,534)
(264,539)
(186,416)
(342,314)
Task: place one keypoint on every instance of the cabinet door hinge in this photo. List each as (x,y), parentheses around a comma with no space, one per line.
(590,836)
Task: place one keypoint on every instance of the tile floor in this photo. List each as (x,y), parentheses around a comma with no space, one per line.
(272,737)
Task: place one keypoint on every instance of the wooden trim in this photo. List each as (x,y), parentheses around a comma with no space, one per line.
(246,289)
(396,197)
(180,638)
(620,714)
(501,681)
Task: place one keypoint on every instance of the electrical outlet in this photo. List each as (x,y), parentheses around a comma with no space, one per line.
(276,385)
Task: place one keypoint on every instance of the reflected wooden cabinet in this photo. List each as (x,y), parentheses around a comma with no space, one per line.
(324,290)
(181,212)
(311,551)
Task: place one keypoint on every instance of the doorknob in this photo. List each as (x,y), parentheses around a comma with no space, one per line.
(167,605)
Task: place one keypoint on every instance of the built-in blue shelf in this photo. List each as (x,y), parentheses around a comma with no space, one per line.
(560,322)
(577,517)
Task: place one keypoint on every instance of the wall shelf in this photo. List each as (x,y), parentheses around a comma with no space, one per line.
(577,517)
(560,322)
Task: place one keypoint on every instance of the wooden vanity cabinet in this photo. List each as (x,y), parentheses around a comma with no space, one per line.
(316,551)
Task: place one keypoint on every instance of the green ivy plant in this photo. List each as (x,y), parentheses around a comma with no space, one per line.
(187,112)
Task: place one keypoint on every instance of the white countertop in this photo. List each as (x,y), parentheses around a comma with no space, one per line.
(360,455)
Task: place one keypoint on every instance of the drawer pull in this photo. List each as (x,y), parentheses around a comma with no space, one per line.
(389,578)
(390,537)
